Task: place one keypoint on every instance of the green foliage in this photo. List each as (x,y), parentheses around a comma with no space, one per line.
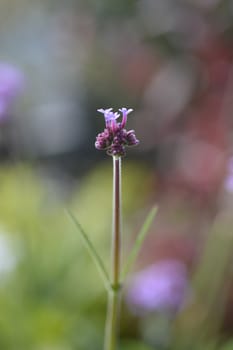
(135,345)
(92,251)
(139,241)
(54,298)
(228,346)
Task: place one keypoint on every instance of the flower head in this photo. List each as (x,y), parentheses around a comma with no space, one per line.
(115,137)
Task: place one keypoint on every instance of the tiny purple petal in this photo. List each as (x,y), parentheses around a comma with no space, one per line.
(101,110)
(125,113)
(109,116)
(125,110)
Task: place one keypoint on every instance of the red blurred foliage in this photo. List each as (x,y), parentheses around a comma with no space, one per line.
(201,164)
(137,68)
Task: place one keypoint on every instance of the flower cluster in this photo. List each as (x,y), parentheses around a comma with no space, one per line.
(115,137)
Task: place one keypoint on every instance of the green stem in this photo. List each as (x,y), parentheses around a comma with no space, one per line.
(114,293)
(116,237)
(112,321)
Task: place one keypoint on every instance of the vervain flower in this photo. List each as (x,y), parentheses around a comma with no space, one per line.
(115,137)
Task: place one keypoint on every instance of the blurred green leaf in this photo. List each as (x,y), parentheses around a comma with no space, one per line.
(228,345)
(92,251)
(139,241)
(135,345)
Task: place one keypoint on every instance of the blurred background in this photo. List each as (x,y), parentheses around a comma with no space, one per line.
(172,62)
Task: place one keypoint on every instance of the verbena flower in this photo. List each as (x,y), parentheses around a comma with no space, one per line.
(115,138)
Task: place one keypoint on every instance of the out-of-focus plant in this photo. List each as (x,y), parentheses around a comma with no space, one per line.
(114,140)
(45,300)
(51,296)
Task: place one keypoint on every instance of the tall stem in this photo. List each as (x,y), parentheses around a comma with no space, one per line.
(114,291)
(116,234)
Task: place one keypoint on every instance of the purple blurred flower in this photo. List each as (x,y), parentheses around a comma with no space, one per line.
(115,138)
(11,82)
(228,183)
(160,287)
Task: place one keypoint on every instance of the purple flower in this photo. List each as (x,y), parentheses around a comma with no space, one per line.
(11,82)
(115,137)
(110,118)
(229,183)
(125,113)
(160,287)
